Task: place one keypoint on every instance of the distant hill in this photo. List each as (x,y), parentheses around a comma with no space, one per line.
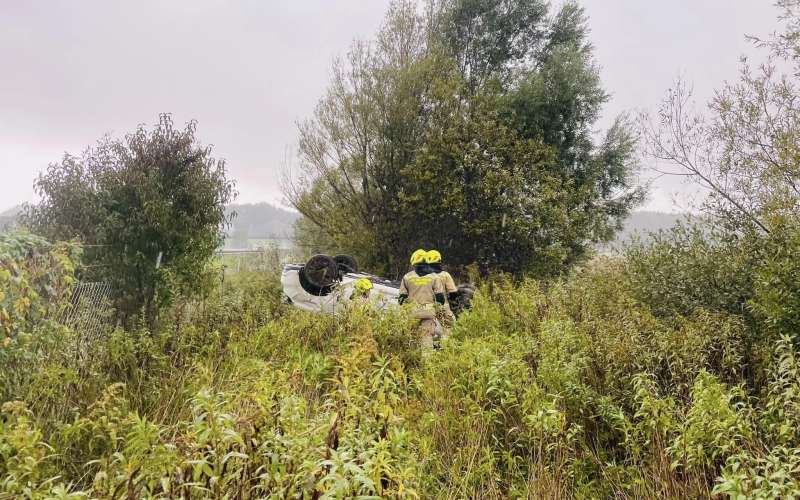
(8,218)
(11,212)
(253,221)
(259,222)
(641,225)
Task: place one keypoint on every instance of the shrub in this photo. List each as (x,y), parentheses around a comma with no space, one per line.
(36,279)
(691,267)
(150,207)
(776,299)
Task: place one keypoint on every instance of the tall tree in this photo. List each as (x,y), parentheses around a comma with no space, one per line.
(488,38)
(468,129)
(547,88)
(364,131)
(493,197)
(150,209)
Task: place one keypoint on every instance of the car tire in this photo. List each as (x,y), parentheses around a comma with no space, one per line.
(346,264)
(321,271)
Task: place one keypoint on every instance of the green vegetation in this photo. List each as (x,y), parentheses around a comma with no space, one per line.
(469,127)
(672,371)
(744,152)
(149,208)
(595,385)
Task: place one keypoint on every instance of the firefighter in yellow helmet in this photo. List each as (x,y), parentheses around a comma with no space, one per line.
(422,288)
(362,288)
(445,314)
(361,292)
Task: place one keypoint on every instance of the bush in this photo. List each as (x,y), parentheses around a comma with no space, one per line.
(693,266)
(36,280)
(150,207)
(776,299)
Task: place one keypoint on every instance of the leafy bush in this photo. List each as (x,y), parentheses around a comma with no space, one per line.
(36,280)
(776,299)
(693,266)
(149,206)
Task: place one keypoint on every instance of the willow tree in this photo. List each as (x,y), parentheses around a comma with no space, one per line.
(467,128)
(365,130)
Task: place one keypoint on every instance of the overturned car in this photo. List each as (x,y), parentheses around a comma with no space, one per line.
(326,284)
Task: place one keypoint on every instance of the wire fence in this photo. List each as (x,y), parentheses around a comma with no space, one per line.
(89,313)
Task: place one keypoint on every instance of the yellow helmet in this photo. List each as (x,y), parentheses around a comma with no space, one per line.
(418,257)
(363,285)
(433,257)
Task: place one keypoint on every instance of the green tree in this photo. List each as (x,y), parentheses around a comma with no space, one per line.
(776,297)
(150,209)
(365,130)
(488,38)
(491,192)
(468,129)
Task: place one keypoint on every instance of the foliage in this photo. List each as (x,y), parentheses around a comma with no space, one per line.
(36,279)
(691,266)
(310,239)
(150,209)
(673,371)
(771,472)
(748,273)
(574,387)
(485,38)
(467,129)
(776,297)
(478,174)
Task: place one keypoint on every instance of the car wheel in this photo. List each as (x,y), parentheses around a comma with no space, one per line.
(346,263)
(321,271)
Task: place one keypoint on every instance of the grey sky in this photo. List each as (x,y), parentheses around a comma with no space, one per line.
(248,70)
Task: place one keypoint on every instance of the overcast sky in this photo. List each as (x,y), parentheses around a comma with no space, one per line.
(71,71)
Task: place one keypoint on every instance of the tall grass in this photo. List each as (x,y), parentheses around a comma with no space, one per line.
(570,389)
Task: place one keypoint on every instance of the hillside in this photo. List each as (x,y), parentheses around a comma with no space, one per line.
(262,220)
(257,224)
(252,221)
(8,218)
(642,223)
(640,226)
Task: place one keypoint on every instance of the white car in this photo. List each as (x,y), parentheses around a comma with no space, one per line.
(325,284)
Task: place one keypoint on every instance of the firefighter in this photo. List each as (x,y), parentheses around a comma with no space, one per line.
(423,289)
(445,313)
(361,290)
